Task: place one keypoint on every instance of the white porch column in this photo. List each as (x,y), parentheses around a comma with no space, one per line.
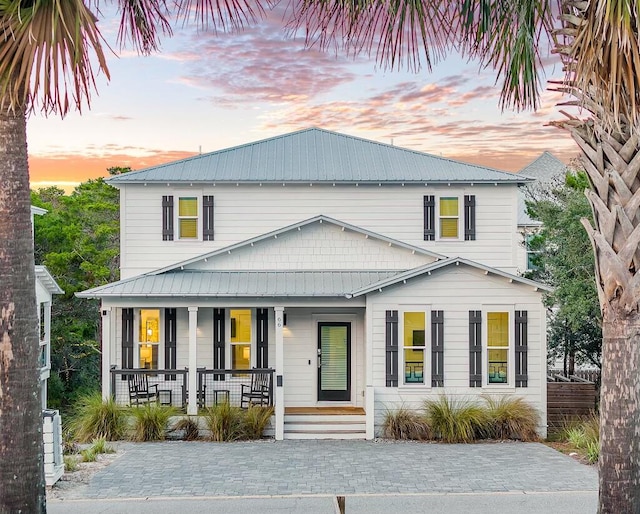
(106,351)
(369,392)
(279,385)
(192,406)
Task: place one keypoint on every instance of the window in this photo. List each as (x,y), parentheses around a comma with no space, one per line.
(449,218)
(498,347)
(44,316)
(188,218)
(532,254)
(240,338)
(149,338)
(414,345)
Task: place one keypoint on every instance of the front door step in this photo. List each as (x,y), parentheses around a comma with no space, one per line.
(321,424)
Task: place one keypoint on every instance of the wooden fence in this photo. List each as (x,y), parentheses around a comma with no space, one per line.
(569,399)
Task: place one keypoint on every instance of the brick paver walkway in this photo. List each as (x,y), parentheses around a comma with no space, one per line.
(335,467)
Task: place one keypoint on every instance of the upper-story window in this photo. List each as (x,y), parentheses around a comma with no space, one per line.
(447,226)
(449,217)
(187,218)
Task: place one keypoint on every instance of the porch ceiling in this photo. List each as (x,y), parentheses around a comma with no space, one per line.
(235,284)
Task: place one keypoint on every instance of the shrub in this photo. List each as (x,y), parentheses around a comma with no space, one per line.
(225,422)
(150,422)
(575,436)
(455,421)
(404,423)
(94,417)
(88,455)
(593,451)
(510,418)
(70,463)
(256,419)
(189,428)
(100,445)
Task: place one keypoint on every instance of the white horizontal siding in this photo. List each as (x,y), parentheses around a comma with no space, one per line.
(456,291)
(247,211)
(322,246)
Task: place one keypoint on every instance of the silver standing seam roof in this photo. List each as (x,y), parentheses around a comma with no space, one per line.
(192,283)
(315,156)
(545,169)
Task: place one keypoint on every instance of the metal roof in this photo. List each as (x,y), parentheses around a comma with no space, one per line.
(545,169)
(237,284)
(315,155)
(453,261)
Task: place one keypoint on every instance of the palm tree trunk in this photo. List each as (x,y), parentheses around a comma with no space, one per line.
(612,162)
(21,446)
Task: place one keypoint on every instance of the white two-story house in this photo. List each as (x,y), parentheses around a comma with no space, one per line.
(360,275)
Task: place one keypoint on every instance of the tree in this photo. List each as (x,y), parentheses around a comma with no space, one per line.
(563,259)
(599,45)
(47,59)
(78,240)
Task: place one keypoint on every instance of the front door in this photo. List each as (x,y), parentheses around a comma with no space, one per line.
(334,361)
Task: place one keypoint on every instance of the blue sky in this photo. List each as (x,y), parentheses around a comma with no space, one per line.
(206,91)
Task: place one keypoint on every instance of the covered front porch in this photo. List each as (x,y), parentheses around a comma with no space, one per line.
(308,357)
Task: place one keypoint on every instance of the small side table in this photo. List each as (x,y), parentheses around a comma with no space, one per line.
(218,393)
(165,396)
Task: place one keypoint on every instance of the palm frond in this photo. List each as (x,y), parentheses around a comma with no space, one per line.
(46,54)
(397,32)
(142,22)
(602,54)
(510,38)
(222,14)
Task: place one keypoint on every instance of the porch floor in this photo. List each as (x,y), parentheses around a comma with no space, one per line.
(329,411)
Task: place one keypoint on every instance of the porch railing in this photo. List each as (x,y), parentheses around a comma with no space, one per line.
(217,386)
(171,384)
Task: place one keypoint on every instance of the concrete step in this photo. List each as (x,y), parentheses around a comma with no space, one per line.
(324,426)
(324,435)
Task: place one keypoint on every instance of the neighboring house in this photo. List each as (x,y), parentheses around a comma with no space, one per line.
(46,287)
(365,275)
(546,171)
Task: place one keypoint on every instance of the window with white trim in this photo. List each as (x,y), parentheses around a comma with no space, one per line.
(149,338)
(188,217)
(449,217)
(414,346)
(498,345)
(240,338)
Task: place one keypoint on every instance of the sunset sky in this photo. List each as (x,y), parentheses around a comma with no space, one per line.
(205,92)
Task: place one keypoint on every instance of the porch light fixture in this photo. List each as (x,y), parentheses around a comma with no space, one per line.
(284,319)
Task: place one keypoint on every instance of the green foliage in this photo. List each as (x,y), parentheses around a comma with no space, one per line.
(404,423)
(70,463)
(189,428)
(583,435)
(225,422)
(510,418)
(88,455)
(150,422)
(256,419)
(593,451)
(456,421)
(78,241)
(565,261)
(94,418)
(99,445)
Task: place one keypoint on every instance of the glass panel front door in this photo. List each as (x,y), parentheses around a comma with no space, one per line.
(334,361)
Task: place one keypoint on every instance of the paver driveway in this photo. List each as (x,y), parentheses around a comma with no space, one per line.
(174,469)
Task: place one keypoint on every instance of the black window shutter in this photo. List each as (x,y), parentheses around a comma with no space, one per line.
(167,218)
(207,218)
(521,349)
(437,349)
(218,342)
(470,217)
(391,346)
(127,340)
(170,339)
(475,348)
(429,218)
(262,338)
